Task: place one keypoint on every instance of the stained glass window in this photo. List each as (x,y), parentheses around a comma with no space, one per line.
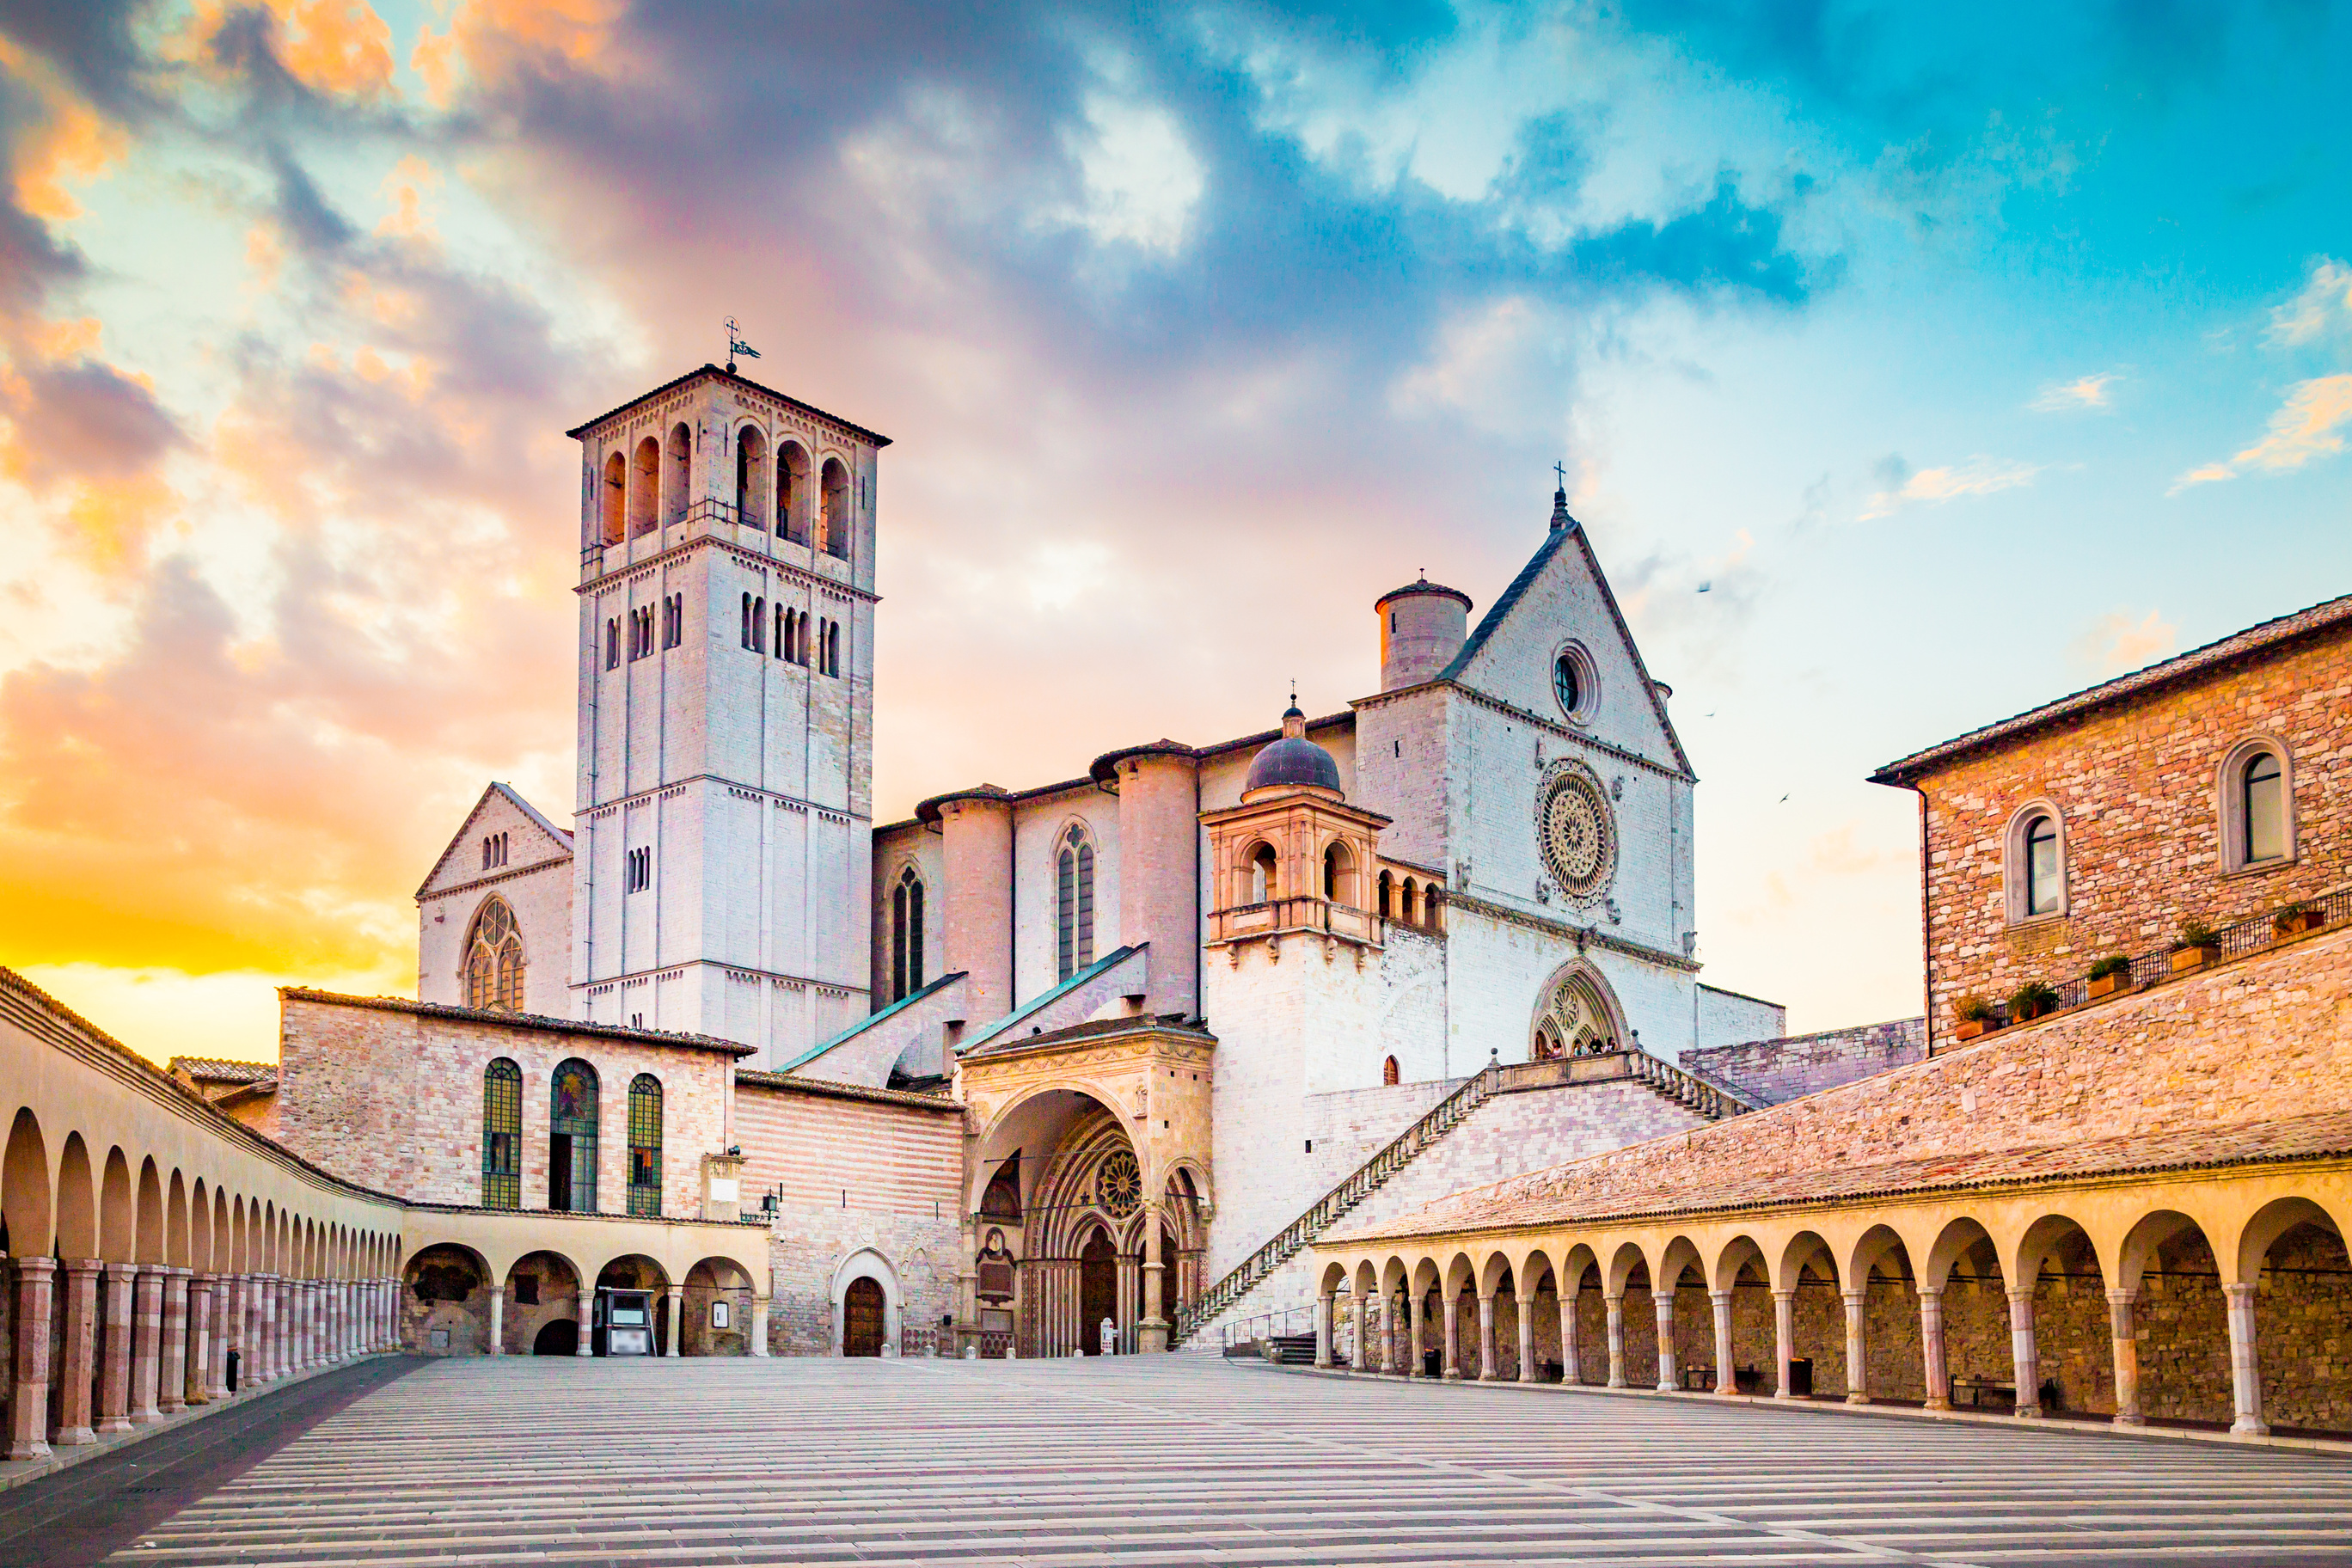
(645,1144)
(572,1139)
(1073,914)
(502,1135)
(494,959)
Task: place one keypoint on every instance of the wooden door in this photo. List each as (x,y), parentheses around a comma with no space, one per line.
(862,1318)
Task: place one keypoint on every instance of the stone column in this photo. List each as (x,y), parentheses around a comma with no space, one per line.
(1931,1348)
(1486,1339)
(1724,1382)
(760,1326)
(331,1321)
(1663,1302)
(1571,1372)
(1388,1334)
(80,1360)
(1360,1352)
(262,1365)
(1784,1338)
(1324,1305)
(28,1323)
(1451,1365)
(306,1317)
(2124,1331)
(587,1345)
(1524,1312)
(2023,1351)
(498,1345)
(1616,1308)
(203,1338)
(229,1331)
(1151,1329)
(1415,1354)
(1857,1364)
(2245,1366)
(675,1305)
(118,1326)
(171,1379)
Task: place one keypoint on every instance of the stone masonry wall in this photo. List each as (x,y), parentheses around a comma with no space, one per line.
(1770,1071)
(2138,787)
(810,1244)
(391,1099)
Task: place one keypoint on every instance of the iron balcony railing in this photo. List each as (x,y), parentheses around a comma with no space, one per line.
(2235,940)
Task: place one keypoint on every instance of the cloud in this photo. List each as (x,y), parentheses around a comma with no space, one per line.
(2325,306)
(1979,476)
(2088,391)
(2115,644)
(2308,425)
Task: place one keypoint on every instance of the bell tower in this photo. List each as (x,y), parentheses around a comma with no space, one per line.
(724,830)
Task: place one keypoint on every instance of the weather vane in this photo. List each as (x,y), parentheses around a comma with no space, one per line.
(736,345)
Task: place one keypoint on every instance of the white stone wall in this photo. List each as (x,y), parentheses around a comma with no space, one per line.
(1401,772)
(1728,1018)
(1038,828)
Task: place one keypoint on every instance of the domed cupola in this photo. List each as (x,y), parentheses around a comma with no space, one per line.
(1293,761)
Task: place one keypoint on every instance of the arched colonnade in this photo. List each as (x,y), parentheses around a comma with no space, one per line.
(146,1245)
(512,1284)
(2220,1300)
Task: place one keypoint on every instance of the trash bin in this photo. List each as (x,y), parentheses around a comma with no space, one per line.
(1431,1362)
(232,1371)
(1801,1378)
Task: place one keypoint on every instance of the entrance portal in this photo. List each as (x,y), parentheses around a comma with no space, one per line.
(1098,1291)
(560,1337)
(862,1318)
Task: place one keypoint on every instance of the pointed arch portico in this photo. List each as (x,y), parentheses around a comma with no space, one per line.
(1107,1125)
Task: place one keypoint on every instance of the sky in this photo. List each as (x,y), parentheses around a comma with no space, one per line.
(1909,365)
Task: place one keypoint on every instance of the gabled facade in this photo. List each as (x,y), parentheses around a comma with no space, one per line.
(494,918)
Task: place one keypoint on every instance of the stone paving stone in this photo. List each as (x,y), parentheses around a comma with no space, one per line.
(1173,1460)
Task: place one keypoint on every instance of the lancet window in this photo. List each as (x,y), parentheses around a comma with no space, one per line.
(645,1144)
(502,1135)
(1074,902)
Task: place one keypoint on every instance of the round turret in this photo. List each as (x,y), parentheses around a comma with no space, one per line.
(1423,626)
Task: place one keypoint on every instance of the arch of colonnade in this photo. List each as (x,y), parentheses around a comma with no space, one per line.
(2221,1298)
(147,1239)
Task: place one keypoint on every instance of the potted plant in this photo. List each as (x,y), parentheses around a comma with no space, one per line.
(2032,1000)
(1975,1013)
(2301,916)
(2109,974)
(2197,945)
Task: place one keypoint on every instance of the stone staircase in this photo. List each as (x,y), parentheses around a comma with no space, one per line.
(1690,1096)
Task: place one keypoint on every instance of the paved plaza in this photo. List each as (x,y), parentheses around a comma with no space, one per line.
(1181,1459)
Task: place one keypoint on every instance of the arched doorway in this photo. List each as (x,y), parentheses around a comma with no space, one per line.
(558,1336)
(864,1312)
(1098,1289)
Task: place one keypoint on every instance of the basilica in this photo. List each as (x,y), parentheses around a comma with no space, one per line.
(1106,1037)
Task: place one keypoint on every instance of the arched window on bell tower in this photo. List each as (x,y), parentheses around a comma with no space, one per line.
(612,518)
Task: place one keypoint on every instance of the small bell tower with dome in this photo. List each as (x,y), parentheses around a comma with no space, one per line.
(1294,858)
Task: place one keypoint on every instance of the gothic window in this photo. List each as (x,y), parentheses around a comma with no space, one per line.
(645,1144)
(494,851)
(759,625)
(1388,1072)
(1001,1200)
(834,534)
(502,1135)
(644,489)
(792,491)
(638,871)
(612,522)
(1574,1021)
(612,643)
(906,936)
(833,648)
(572,1139)
(751,475)
(747,620)
(494,958)
(1074,902)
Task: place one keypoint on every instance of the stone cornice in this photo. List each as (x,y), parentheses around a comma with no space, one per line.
(1583,936)
(591,586)
(768,794)
(506,874)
